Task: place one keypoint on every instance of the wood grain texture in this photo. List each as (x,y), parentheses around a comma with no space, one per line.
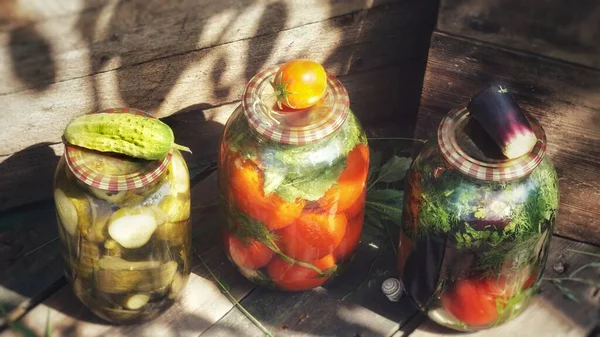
(563,97)
(377,54)
(350,305)
(551,314)
(29,253)
(87,38)
(556,29)
(210,76)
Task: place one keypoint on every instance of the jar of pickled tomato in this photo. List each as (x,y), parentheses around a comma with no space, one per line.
(293,186)
(125,230)
(476,226)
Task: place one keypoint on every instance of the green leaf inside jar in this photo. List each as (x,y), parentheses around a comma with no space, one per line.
(296,171)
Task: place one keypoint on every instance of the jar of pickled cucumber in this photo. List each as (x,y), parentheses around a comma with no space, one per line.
(476,225)
(125,229)
(293,186)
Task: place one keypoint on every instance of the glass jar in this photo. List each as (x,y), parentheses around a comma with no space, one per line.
(125,230)
(476,227)
(293,186)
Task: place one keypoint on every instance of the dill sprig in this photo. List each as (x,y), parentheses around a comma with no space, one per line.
(250,228)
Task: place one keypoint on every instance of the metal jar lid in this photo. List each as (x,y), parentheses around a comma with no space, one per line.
(113,172)
(485,168)
(297,127)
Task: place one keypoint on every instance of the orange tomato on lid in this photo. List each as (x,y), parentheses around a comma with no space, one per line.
(299,84)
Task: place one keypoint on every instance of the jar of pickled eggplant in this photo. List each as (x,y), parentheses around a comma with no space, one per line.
(125,230)
(476,225)
(293,186)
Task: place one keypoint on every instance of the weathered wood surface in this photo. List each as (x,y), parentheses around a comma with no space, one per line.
(563,97)
(551,314)
(365,48)
(86,38)
(559,29)
(29,254)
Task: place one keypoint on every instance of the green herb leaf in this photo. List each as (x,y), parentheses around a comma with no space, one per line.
(373,220)
(394,169)
(374,163)
(311,186)
(308,171)
(391,212)
(249,228)
(274,177)
(48,331)
(384,195)
(568,293)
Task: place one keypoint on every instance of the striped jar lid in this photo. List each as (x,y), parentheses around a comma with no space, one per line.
(110,171)
(298,126)
(488,169)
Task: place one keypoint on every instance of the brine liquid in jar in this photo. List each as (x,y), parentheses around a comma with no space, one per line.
(124,224)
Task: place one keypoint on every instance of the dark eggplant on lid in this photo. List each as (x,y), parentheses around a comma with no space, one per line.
(502,118)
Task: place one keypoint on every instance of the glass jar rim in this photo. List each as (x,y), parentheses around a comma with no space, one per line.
(86,165)
(298,127)
(492,170)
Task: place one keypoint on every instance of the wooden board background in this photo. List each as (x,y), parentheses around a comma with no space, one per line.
(560,29)
(565,99)
(168,57)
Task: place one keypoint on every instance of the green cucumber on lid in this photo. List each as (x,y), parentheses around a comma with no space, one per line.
(129,134)
(501,117)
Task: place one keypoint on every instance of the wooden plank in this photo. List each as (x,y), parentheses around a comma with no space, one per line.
(563,97)
(28,250)
(351,305)
(14,14)
(548,27)
(210,76)
(116,34)
(370,43)
(551,313)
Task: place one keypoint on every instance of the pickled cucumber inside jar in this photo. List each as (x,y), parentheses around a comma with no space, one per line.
(132,227)
(85,261)
(73,209)
(179,282)
(117,275)
(176,208)
(178,174)
(98,226)
(174,232)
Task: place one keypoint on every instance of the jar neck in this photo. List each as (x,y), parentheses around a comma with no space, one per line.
(462,158)
(289,126)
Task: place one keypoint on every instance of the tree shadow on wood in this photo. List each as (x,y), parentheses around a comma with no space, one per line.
(202,136)
(27,175)
(133,28)
(31,57)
